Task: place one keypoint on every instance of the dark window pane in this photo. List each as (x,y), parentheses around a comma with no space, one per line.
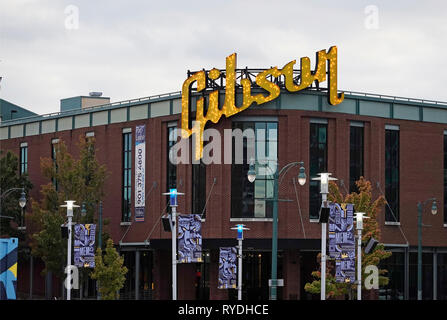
(427,276)
(127,177)
(395,289)
(442,275)
(317,164)
(171,167)
(199,188)
(392,175)
(355,156)
(23,160)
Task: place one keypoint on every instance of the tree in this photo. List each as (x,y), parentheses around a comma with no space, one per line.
(10,178)
(109,272)
(363,202)
(81,180)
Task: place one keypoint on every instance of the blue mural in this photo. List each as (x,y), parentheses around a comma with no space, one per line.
(8,268)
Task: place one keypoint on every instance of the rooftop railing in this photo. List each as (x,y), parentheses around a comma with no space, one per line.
(178,93)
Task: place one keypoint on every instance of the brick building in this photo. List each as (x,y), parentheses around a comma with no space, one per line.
(399,144)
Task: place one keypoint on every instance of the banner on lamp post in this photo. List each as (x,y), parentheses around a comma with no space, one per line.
(140,170)
(227,268)
(84,245)
(189,238)
(342,240)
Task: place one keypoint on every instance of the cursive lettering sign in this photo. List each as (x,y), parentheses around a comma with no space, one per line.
(229,108)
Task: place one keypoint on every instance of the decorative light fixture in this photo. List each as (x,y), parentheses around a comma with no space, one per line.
(302,176)
(251,175)
(22,200)
(434,208)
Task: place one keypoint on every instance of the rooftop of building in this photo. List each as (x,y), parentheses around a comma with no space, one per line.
(311,99)
(10,111)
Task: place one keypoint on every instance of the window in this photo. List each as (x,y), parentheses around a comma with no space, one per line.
(54,144)
(445,177)
(427,276)
(395,289)
(255,200)
(23,158)
(127,175)
(392,173)
(442,276)
(199,188)
(317,163)
(355,155)
(171,182)
(90,141)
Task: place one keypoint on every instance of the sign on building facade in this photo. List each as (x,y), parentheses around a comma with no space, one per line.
(140,171)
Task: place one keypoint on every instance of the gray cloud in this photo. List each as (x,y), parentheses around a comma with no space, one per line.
(131,49)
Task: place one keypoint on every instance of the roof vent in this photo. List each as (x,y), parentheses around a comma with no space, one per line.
(95,94)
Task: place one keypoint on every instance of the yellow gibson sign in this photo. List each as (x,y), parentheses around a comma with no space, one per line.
(229,107)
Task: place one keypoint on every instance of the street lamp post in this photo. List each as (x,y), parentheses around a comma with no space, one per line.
(359,217)
(22,202)
(434,210)
(251,175)
(173,204)
(69,205)
(240,236)
(324,179)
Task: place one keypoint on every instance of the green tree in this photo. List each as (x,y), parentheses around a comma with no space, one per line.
(363,202)
(109,272)
(81,180)
(10,178)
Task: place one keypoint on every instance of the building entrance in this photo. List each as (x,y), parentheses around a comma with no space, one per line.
(256,272)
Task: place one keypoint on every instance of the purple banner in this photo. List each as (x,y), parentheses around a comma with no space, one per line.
(227,268)
(189,238)
(84,245)
(342,240)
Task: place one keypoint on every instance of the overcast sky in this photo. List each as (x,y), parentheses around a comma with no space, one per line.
(132,49)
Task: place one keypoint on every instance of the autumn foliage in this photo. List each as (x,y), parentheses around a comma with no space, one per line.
(363,202)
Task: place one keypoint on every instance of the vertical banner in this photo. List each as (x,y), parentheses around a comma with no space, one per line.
(140,169)
(342,241)
(227,268)
(84,245)
(189,238)
(8,268)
